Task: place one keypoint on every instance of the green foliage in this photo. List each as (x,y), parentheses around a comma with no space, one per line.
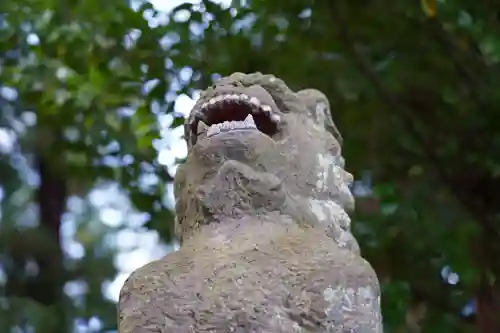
(413,89)
(81,68)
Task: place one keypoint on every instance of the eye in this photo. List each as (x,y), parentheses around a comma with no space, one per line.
(319,113)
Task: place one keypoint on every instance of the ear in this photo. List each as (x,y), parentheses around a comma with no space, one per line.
(318,107)
(316,103)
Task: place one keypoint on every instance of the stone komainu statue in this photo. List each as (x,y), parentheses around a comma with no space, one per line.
(265,240)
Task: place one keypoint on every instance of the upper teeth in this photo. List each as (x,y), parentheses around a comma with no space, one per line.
(239,98)
(266,108)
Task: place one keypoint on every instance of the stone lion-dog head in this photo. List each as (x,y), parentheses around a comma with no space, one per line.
(273,149)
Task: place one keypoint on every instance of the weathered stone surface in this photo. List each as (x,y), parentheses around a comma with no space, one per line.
(266,242)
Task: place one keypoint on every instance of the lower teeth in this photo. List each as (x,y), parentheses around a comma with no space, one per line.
(229,126)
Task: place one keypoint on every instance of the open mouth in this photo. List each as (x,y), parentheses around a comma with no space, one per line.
(230,112)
